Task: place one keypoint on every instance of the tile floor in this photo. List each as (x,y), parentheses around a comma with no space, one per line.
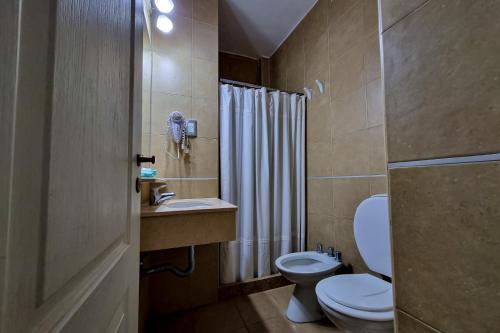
(259,312)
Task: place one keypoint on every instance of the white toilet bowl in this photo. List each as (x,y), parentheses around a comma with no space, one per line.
(363,302)
(357,302)
(305,269)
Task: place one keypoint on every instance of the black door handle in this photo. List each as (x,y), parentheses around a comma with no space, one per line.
(144,159)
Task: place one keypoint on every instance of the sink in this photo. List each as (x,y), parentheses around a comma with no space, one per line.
(188,204)
(185,222)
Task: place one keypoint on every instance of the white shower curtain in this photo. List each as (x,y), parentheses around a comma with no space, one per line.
(262,152)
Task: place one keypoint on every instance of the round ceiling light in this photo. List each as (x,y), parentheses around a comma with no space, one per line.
(164,6)
(164,24)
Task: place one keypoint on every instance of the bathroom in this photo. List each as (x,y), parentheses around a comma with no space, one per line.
(250,166)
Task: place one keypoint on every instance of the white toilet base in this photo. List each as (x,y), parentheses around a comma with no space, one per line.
(303,306)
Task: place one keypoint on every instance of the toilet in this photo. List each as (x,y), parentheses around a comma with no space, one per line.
(364,302)
(305,269)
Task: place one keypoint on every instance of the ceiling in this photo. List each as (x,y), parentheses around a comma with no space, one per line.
(256,28)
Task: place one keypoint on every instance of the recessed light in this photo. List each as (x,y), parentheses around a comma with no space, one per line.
(164,24)
(164,6)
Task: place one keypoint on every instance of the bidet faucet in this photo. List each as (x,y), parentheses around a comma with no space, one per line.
(319,248)
(156,198)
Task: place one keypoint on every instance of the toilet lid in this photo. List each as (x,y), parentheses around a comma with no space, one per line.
(359,291)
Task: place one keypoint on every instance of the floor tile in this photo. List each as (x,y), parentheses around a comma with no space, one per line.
(282,297)
(273,325)
(257,307)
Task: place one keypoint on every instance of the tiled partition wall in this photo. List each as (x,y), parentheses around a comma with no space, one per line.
(185,79)
(337,43)
(442,97)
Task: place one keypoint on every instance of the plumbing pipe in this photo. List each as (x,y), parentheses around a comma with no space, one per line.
(171,268)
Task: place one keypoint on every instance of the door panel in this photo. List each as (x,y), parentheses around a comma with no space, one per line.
(72,256)
(88,172)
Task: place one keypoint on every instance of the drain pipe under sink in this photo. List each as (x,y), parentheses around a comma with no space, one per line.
(171,268)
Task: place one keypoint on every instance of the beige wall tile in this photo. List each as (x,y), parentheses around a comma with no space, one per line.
(163,105)
(206,11)
(146,111)
(319,230)
(347,30)
(318,68)
(205,36)
(192,188)
(295,48)
(442,81)
(372,64)
(206,112)
(178,41)
(146,145)
(407,324)
(347,72)
(375,103)
(319,123)
(171,74)
(394,10)
(279,81)
(348,194)
(319,159)
(344,242)
(378,159)
(295,78)
(351,153)
(337,8)
(445,239)
(349,113)
(201,162)
(320,196)
(183,8)
(279,60)
(370,17)
(165,151)
(315,23)
(205,79)
(378,185)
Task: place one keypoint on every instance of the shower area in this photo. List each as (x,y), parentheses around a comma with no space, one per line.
(262,171)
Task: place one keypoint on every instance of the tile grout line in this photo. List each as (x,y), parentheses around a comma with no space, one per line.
(445,161)
(345,177)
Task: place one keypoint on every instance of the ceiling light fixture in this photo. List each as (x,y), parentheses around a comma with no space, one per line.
(164,6)
(164,24)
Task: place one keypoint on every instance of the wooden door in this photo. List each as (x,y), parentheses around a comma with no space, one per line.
(69,228)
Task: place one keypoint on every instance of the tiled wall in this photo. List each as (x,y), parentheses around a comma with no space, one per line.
(337,43)
(185,79)
(442,83)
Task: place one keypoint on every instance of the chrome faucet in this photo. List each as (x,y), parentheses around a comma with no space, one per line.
(319,248)
(156,198)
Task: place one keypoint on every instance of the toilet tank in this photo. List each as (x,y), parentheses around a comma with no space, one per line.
(372,234)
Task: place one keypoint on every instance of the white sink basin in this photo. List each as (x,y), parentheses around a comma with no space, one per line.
(188,204)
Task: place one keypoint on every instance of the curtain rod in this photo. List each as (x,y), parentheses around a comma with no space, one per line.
(249,85)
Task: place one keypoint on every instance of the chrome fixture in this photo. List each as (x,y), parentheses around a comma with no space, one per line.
(319,248)
(156,197)
(330,252)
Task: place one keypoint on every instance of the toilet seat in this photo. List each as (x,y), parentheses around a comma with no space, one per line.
(308,263)
(362,296)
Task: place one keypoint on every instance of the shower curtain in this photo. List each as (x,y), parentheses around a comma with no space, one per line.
(262,164)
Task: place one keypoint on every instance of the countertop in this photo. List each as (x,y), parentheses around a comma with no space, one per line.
(214,205)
